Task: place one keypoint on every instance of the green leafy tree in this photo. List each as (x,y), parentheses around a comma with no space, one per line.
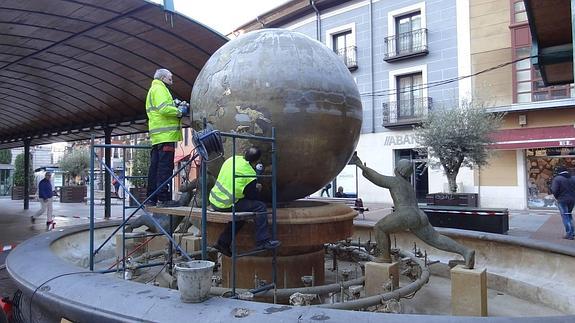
(5,156)
(141,165)
(459,136)
(19,178)
(76,163)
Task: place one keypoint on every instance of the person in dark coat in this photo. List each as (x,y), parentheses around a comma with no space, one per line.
(563,189)
(340,192)
(45,194)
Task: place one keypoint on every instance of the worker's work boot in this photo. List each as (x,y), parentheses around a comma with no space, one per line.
(269,244)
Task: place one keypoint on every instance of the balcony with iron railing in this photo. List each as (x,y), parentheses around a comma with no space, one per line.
(406,113)
(349,56)
(406,45)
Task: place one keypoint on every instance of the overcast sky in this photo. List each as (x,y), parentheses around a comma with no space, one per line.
(224,15)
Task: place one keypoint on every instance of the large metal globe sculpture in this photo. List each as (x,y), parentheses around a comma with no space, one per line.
(286,80)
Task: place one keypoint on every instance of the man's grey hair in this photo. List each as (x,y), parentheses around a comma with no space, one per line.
(161,73)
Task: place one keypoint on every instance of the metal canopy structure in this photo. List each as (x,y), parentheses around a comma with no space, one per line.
(70,68)
(551,34)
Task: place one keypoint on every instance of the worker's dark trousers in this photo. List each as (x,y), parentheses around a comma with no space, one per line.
(161,168)
(245,205)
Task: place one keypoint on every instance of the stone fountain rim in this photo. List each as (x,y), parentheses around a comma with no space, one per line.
(494,237)
(88,304)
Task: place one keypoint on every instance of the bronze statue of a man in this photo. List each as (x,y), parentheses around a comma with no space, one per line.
(407,214)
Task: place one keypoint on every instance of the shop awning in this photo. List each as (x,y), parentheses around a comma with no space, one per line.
(524,138)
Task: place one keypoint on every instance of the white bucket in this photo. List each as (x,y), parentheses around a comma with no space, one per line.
(194,280)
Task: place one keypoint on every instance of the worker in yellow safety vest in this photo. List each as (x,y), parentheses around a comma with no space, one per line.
(245,197)
(164,125)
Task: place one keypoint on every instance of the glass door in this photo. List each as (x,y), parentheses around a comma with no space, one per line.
(419,177)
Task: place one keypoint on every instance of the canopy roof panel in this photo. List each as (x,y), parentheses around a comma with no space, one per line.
(70,68)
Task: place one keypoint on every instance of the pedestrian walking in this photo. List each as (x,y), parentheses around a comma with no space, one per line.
(563,189)
(325,190)
(45,194)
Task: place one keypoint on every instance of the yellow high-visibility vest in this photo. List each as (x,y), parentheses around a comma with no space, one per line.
(221,194)
(164,123)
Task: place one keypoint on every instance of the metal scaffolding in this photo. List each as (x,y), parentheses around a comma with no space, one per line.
(199,152)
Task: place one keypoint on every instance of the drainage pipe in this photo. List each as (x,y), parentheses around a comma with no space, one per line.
(371,74)
(396,294)
(348,305)
(287,292)
(318,21)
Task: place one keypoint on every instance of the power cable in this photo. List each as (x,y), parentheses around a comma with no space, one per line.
(51,279)
(428,85)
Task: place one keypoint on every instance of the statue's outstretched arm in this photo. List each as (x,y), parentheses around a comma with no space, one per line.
(373,176)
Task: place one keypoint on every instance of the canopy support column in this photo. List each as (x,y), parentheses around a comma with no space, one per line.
(26,174)
(107,179)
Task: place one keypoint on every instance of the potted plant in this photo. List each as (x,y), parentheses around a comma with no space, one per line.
(75,164)
(140,166)
(19,179)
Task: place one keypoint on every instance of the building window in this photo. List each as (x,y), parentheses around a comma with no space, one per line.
(528,85)
(518,13)
(408,102)
(408,38)
(523,75)
(409,95)
(344,47)
(342,41)
(527,82)
(407,33)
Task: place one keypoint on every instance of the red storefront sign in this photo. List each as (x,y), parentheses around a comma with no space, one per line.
(523,138)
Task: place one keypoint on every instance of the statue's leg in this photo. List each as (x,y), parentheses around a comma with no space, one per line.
(138,222)
(428,234)
(383,227)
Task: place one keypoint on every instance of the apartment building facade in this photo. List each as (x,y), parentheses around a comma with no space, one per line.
(538,132)
(400,53)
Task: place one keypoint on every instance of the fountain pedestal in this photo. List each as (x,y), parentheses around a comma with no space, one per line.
(468,291)
(380,275)
(303,227)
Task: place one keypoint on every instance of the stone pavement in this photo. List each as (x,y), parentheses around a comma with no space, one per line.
(15,226)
